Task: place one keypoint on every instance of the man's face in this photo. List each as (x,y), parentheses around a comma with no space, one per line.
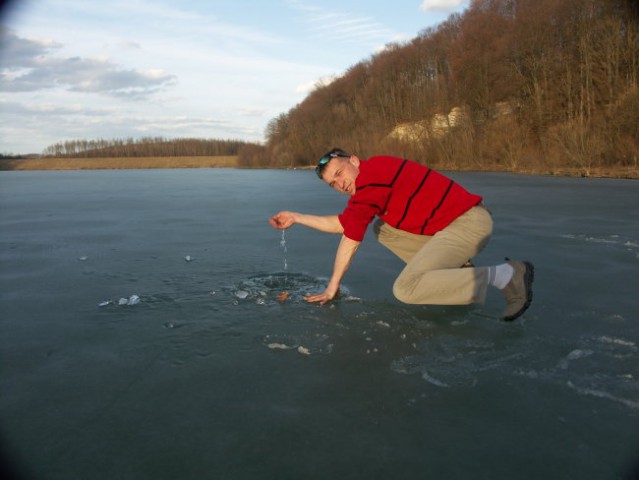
(340,173)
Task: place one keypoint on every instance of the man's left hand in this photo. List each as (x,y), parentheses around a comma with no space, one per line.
(323,297)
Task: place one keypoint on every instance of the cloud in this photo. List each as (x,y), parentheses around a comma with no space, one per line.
(252,111)
(129,45)
(43,110)
(441,5)
(342,25)
(23,52)
(28,67)
(41,125)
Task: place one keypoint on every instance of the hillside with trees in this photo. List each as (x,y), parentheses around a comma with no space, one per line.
(517,85)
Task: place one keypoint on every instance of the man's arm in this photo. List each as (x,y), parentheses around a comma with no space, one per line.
(345,253)
(327,223)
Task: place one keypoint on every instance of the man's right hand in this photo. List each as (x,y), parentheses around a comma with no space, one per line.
(282,220)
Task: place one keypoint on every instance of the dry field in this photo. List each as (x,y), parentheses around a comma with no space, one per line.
(118,163)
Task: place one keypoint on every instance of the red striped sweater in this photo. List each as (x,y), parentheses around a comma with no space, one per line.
(406,195)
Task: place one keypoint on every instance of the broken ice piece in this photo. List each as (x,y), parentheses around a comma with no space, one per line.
(303,350)
(133,300)
(104,303)
(188,258)
(279,346)
(123,301)
(82,259)
(241,294)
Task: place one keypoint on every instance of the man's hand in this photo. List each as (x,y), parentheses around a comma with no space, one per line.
(322,298)
(282,220)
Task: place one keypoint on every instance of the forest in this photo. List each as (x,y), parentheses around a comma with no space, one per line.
(514,85)
(143,147)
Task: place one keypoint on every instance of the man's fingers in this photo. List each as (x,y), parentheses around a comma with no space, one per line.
(276,222)
(322,298)
(313,298)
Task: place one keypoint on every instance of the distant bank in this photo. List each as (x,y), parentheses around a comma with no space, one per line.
(121,163)
(117,163)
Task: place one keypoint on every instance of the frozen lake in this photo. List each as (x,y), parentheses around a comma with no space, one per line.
(207,375)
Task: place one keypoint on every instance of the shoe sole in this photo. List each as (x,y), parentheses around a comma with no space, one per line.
(529,277)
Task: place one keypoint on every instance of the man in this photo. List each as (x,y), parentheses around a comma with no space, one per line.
(429,221)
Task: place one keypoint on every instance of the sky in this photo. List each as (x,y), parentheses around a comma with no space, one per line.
(214,69)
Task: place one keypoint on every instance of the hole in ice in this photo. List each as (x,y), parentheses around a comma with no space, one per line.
(280,287)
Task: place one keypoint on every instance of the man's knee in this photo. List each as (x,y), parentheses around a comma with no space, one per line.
(403,290)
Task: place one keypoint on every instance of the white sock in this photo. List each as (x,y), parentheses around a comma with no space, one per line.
(500,275)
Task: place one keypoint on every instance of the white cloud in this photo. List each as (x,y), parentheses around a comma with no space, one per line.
(23,52)
(252,111)
(441,5)
(51,110)
(341,25)
(28,67)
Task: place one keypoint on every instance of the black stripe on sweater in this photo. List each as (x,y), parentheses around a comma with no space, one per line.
(432,214)
(386,185)
(410,199)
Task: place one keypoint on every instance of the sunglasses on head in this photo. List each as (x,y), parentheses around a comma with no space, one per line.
(327,158)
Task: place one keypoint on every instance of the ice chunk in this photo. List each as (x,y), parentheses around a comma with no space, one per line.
(133,300)
(303,350)
(188,258)
(241,294)
(279,346)
(123,301)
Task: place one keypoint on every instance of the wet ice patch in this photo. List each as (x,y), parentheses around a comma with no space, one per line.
(618,341)
(574,355)
(612,241)
(280,288)
(451,361)
(305,344)
(603,367)
(598,366)
(631,403)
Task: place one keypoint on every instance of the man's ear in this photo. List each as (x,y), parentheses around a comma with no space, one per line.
(354,160)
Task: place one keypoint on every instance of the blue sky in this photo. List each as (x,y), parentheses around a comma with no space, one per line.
(77,69)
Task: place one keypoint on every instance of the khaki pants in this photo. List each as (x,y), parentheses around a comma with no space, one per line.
(432,274)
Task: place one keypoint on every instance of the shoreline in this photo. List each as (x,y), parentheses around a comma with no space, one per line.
(117,163)
(130,163)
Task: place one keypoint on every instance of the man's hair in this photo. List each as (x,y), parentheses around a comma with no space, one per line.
(327,157)
(337,152)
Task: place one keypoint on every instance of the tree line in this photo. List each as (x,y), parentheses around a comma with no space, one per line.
(506,84)
(143,147)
